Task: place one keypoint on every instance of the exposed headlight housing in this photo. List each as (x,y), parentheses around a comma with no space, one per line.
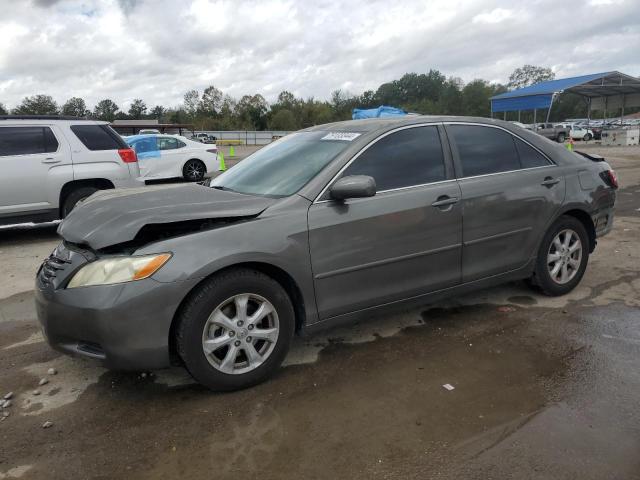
(118,270)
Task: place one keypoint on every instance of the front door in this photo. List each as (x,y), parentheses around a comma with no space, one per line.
(510,192)
(404,241)
(148,154)
(34,165)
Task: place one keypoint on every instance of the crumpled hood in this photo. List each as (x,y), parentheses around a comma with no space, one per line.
(110,217)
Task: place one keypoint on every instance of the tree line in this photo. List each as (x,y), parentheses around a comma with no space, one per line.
(429,93)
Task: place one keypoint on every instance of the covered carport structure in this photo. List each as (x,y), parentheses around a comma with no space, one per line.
(601,91)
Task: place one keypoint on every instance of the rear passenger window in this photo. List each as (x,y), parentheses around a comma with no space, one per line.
(98,137)
(484,150)
(50,142)
(402,159)
(167,143)
(26,141)
(529,156)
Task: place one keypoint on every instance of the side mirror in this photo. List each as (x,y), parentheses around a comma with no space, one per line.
(353,186)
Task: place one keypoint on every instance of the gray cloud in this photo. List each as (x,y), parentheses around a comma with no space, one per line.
(157,50)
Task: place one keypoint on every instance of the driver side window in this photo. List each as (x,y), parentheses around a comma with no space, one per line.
(406,158)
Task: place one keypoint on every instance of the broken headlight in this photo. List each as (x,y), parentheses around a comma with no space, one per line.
(118,270)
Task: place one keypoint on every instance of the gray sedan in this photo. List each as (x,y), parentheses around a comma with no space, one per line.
(327,225)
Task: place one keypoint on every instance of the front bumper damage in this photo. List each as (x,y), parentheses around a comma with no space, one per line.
(126,325)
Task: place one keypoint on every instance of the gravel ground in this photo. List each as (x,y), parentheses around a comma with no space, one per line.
(542,387)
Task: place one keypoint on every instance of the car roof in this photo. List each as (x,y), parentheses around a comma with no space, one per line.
(379,124)
(47,120)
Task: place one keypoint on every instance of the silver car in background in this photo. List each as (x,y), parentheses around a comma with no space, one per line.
(51,162)
(330,224)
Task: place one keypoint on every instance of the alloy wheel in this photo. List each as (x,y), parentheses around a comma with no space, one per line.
(564,256)
(194,171)
(240,334)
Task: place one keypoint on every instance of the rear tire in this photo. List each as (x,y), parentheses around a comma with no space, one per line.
(194,170)
(75,197)
(587,137)
(219,342)
(561,138)
(562,257)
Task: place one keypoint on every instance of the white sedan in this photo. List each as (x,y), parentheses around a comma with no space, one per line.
(173,156)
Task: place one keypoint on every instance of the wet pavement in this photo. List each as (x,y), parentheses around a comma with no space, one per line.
(543,388)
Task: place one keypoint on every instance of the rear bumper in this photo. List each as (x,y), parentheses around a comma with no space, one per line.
(603,223)
(125,326)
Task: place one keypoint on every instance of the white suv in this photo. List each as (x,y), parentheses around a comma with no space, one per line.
(48,164)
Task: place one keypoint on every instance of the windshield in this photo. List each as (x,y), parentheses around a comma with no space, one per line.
(285,166)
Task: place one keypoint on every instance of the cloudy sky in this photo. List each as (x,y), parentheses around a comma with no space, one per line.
(158,49)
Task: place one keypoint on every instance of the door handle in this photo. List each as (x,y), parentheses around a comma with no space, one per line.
(550,182)
(444,200)
(51,160)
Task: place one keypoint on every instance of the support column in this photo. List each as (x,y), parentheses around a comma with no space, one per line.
(588,111)
(519,116)
(504,116)
(622,111)
(535,115)
(550,105)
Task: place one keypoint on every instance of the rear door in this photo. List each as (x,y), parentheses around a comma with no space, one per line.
(404,241)
(510,191)
(95,153)
(34,163)
(172,156)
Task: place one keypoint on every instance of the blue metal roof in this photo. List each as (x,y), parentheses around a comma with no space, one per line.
(539,95)
(551,86)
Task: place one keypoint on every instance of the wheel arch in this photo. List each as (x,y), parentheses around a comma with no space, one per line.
(67,188)
(583,216)
(285,280)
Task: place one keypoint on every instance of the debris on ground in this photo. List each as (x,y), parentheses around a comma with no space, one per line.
(36,392)
(6,404)
(5,414)
(52,371)
(506,309)
(448,386)
(47,424)
(43,381)
(8,396)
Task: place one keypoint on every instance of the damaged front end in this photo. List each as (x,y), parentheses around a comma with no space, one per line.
(155,232)
(122,221)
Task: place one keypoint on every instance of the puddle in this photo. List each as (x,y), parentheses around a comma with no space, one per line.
(74,376)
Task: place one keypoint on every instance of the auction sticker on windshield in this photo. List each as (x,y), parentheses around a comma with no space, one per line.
(344,136)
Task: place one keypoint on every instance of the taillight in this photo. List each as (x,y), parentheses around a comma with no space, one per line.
(610,178)
(128,155)
(212,150)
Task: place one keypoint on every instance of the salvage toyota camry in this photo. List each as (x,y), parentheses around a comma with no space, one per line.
(330,224)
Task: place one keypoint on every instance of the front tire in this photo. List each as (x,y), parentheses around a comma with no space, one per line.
(194,170)
(563,257)
(587,137)
(235,330)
